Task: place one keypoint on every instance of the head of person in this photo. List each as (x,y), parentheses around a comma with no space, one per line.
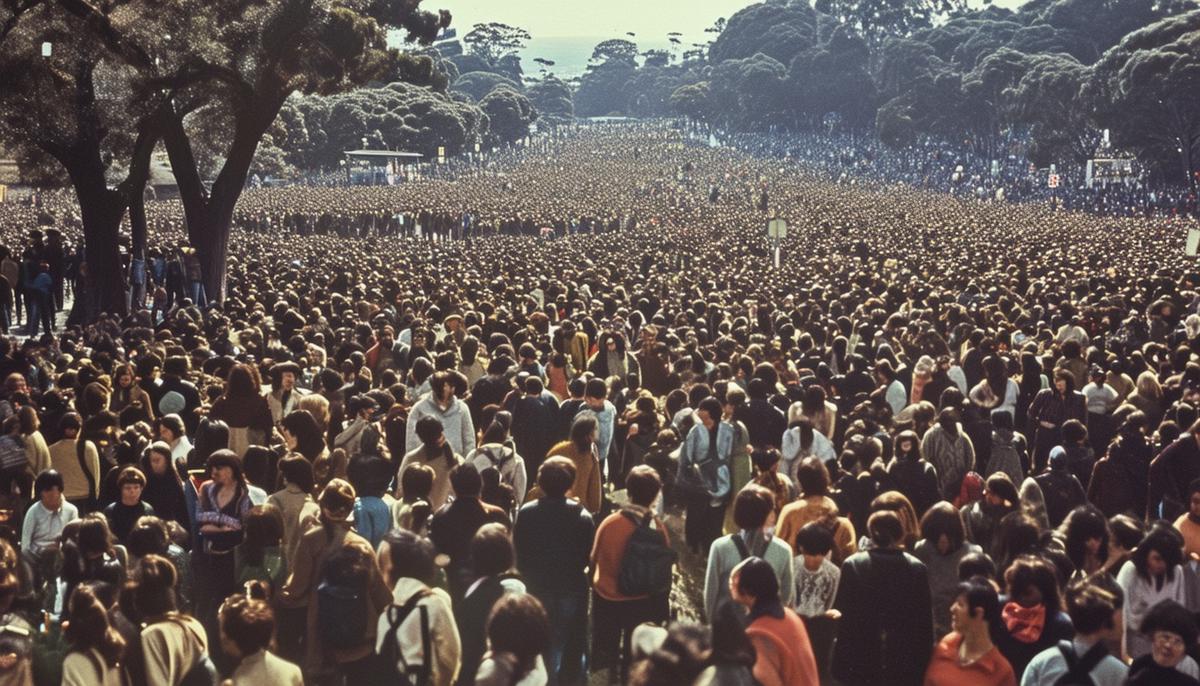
(88,628)
(555,476)
(709,412)
(491,551)
(1086,535)
(643,485)
(149,536)
(753,583)
(730,644)
(171,428)
(430,432)
(754,508)
(247,625)
(297,471)
(814,542)
(131,482)
(151,589)
(48,488)
(975,606)
(442,384)
(518,625)
(595,393)
(584,431)
(885,529)
(302,434)
(812,477)
(158,460)
(1160,553)
(942,527)
(465,481)
(1171,629)
(1033,581)
(405,555)
(225,469)
(1095,607)
(337,501)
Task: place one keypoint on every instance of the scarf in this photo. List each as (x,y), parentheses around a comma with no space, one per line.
(1025,624)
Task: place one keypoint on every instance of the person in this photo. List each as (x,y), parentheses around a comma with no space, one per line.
(453,526)
(1152,575)
(732,657)
(495,452)
(942,547)
(173,644)
(416,633)
(164,487)
(1031,617)
(815,504)
(950,451)
(581,450)
(1095,611)
(244,408)
(44,522)
(885,633)
(1049,410)
(259,557)
(491,560)
(707,452)
(153,536)
(518,633)
(283,396)
(535,419)
(78,461)
(614,614)
(1060,487)
(1171,629)
(1118,478)
(911,474)
(16,641)
(173,432)
(433,451)
(247,630)
(412,511)
(816,587)
(94,658)
(220,510)
(595,399)
(754,513)
(36,450)
(294,502)
(124,513)
(783,653)
(553,538)
(371,476)
(451,412)
(967,655)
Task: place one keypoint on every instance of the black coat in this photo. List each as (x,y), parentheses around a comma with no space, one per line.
(764,422)
(534,421)
(553,541)
(471,615)
(885,635)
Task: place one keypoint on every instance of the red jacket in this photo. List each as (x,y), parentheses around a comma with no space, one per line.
(785,656)
(944,669)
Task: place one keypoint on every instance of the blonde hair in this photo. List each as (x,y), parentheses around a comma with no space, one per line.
(318,406)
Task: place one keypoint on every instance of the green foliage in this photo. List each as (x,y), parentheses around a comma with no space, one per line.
(494,40)
(779,31)
(478,84)
(551,97)
(509,114)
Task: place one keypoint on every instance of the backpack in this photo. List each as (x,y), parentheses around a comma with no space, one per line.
(342,612)
(391,657)
(1079,668)
(12,454)
(647,561)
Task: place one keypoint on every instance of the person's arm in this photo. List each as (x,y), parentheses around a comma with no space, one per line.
(468,428)
(519,482)
(712,581)
(787,582)
(28,527)
(593,488)
(93,459)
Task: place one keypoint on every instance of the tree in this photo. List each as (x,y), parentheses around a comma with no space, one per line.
(1049,99)
(833,78)
(72,107)
(478,84)
(1146,89)
(775,30)
(878,20)
(692,101)
(509,115)
(494,40)
(551,97)
(614,50)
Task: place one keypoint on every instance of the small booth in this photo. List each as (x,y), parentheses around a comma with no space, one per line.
(379,167)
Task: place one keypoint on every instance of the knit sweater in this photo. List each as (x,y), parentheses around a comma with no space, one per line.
(723,556)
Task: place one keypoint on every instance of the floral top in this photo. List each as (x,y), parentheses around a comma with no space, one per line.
(814,590)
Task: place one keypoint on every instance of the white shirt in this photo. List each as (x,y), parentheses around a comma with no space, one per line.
(42,527)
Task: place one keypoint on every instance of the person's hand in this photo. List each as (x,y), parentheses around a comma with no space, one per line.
(1046,425)
(833,614)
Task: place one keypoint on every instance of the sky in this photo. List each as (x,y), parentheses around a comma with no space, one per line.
(566,30)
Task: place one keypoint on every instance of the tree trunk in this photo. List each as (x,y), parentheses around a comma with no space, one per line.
(103,282)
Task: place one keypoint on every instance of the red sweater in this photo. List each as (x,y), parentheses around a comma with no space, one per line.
(609,548)
(944,669)
(785,656)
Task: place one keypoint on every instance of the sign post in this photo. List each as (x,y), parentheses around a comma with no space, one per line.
(777,231)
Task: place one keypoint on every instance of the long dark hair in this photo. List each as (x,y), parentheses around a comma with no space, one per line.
(309,441)
(518,625)
(730,644)
(89,628)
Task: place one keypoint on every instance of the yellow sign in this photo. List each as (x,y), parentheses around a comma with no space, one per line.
(3,193)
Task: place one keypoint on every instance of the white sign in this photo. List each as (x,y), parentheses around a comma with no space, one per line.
(777,228)
(1052,181)
(1193,242)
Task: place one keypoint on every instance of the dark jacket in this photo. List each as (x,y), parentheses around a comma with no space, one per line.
(471,615)
(1062,492)
(917,480)
(451,530)
(885,635)
(1146,672)
(534,420)
(553,540)
(1170,473)
(764,422)
(1119,480)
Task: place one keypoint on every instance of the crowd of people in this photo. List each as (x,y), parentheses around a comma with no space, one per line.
(943,442)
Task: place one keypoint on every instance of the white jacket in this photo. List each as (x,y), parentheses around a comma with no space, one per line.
(456,424)
(443,632)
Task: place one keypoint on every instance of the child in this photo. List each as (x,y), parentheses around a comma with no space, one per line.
(816,585)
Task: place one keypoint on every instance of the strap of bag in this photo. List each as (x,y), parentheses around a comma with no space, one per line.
(1068,653)
(80,451)
(396,616)
(426,672)
(1091,658)
(742,549)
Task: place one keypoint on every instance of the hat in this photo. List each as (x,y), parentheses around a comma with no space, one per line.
(172,402)
(278,369)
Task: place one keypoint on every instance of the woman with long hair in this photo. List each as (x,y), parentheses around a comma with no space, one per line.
(434,452)
(221,508)
(173,644)
(127,393)
(301,434)
(164,487)
(1153,574)
(942,546)
(94,658)
(244,408)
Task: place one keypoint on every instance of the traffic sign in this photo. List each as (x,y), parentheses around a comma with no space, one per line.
(1052,181)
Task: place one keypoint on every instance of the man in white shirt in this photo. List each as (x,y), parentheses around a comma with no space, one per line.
(44,523)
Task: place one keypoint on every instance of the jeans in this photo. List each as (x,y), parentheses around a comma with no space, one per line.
(567,611)
(40,311)
(197,294)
